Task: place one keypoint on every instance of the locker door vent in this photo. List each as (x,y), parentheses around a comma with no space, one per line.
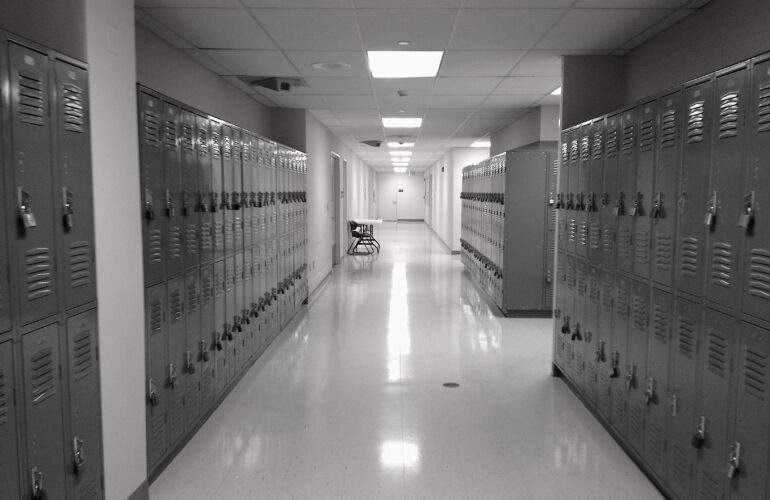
(571,276)
(155,246)
(688,260)
(157,429)
(219,282)
(205,297)
(660,322)
(608,239)
(680,466)
(39,275)
(646,135)
(759,274)
(763,103)
(582,285)
(585,148)
(227,148)
(553,221)
(218,233)
(556,165)
(721,264)
(572,230)
(170,135)
(695,122)
(621,303)
(80,264)
(206,242)
(564,153)
(612,143)
(238,279)
(187,138)
(668,129)
(607,302)
(657,441)
(156,318)
(4,396)
(641,313)
(43,385)
(191,238)
(237,151)
(708,487)
(624,243)
(593,289)
(549,296)
(583,233)
(90,491)
(642,247)
(594,235)
(216,145)
(73,115)
(175,305)
(175,242)
(597,146)
(83,362)
(229,277)
(573,151)
(755,372)
(192,298)
(561,266)
(203,143)
(31,103)
(663,250)
(728,115)
(628,139)
(151,129)
(717,354)
(686,338)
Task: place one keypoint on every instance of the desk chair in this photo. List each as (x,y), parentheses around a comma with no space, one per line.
(361,237)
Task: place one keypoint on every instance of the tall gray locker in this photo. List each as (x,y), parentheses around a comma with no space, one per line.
(248,198)
(249,321)
(193,347)
(175,361)
(239,319)
(619,364)
(172,169)
(561,312)
(238,202)
(561,196)
(593,202)
(188,206)
(581,195)
(606,370)
(612,204)
(572,188)
(590,333)
(626,212)
(157,392)
(209,338)
(5,291)
(30,145)
(655,385)
(222,333)
(228,186)
(641,208)
(218,206)
(74,186)
(151,158)
(9,445)
(571,320)
(206,193)
(636,366)
(232,321)
(577,336)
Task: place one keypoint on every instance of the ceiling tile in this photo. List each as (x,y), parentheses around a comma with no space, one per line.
(445,125)
(631,4)
(311,29)
(609,28)
(501,112)
(550,100)
(528,85)
(156,27)
(263,100)
(410,104)
(479,62)
(519,4)
(303,60)
(465,85)
(414,86)
(298,4)
(426,29)
(265,63)
(498,29)
(452,114)
(206,61)
(458,101)
(406,4)
(359,117)
(510,101)
(327,117)
(539,63)
(298,101)
(215,28)
(188,3)
(349,102)
(240,84)
(658,27)
(335,86)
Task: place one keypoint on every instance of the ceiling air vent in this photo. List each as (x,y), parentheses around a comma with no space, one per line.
(372,143)
(275,83)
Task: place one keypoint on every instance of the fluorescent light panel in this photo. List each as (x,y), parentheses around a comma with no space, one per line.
(481,144)
(402,122)
(399,170)
(404,63)
(400,153)
(400,163)
(400,144)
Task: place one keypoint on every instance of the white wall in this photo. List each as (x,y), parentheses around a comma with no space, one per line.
(538,125)
(410,203)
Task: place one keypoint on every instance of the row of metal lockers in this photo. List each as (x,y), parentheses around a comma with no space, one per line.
(225,256)
(663,280)
(50,414)
(503,198)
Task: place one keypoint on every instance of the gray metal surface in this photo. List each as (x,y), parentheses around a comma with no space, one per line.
(643,201)
(175,359)
(190,371)
(227,204)
(603,355)
(562,192)
(656,384)
(217,207)
(636,367)
(591,333)
(572,190)
(577,335)
(239,325)
(582,190)
(151,160)
(172,179)
(9,445)
(207,343)
(237,189)
(221,329)
(188,196)
(595,190)
(155,383)
(629,141)
(610,197)
(619,353)
(231,321)
(205,192)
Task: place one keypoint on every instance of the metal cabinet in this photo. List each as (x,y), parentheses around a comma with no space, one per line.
(151,158)
(209,337)
(595,191)
(195,347)
(611,202)
(619,364)
(189,197)
(591,353)
(175,359)
(206,195)
(582,189)
(172,170)
(218,204)
(636,377)
(627,203)
(9,445)
(643,203)
(155,368)
(656,383)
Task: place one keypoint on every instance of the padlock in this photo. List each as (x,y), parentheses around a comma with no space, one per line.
(618,210)
(67,211)
(605,200)
(214,197)
(78,457)
(565,328)
(630,376)
(218,341)
(711,210)
(170,209)
(576,332)
(28,220)
(614,362)
(673,405)
(245,315)
(700,433)
(149,211)
(185,203)
(600,351)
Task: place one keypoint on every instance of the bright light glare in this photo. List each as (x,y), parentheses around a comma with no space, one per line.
(399,170)
(400,144)
(404,63)
(400,153)
(399,454)
(481,144)
(557,91)
(400,163)
(402,122)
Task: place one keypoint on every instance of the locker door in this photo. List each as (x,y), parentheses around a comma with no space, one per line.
(581,196)
(664,208)
(5,305)
(714,402)
(206,192)
(247,191)
(209,339)
(151,157)
(172,170)
(221,329)
(577,336)
(643,203)
(574,186)
(549,257)
(231,321)
(176,358)
(74,189)
(259,293)
(629,144)
(84,459)
(618,355)
(193,329)
(756,254)
(594,197)
(9,445)
(43,411)
(732,98)
(255,188)
(604,368)
(561,196)
(591,332)
(752,429)
(189,194)
(157,392)
(239,326)
(571,318)
(693,187)
(655,386)
(217,203)
(551,186)
(228,186)
(636,368)
(681,400)
(249,321)
(237,176)
(33,183)
(610,202)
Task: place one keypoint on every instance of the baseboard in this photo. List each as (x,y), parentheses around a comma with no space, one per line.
(141,493)
(319,288)
(449,250)
(456,252)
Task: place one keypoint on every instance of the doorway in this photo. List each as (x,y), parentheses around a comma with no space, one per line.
(340,213)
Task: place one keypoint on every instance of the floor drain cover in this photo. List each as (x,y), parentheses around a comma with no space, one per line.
(451,384)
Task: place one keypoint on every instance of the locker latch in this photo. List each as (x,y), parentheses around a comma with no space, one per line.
(245,315)
(618,210)
(600,352)
(747,217)
(152,393)
(236,326)
(226,203)
(253,199)
(78,458)
(614,363)
(551,200)
(170,209)
(591,207)
(673,405)
(657,205)
(734,462)
(587,336)
(605,200)
(38,492)
(570,201)
(565,325)
(636,208)
(185,203)
(580,204)
(149,211)
(25,210)
(236,205)
(700,432)
(254,310)
(189,365)
(576,333)
(649,392)
(259,199)
(711,210)
(204,351)
(172,375)
(67,210)
(214,204)
(630,376)
(202,205)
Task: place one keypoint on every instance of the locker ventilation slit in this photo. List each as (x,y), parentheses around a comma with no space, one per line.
(642,247)
(582,285)
(607,295)
(3,399)
(206,241)
(608,241)
(205,291)
(612,143)
(187,138)
(80,264)
(593,290)
(175,242)
(31,99)
(216,148)
(621,303)
(668,129)
(228,151)
(597,147)
(594,235)
(663,250)
(191,238)
(90,491)
(728,115)
(680,470)
(175,301)
(72,98)
(763,103)
(695,122)
(689,257)
(624,243)
(759,274)
(564,153)
(721,265)
(39,273)
(43,385)
(83,362)
(170,136)
(218,236)
(717,354)
(646,135)
(627,146)
(156,318)
(203,143)
(708,487)
(755,372)
(657,440)
(686,338)
(585,148)
(151,129)
(640,315)
(660,321)
(155,250)
(573,151)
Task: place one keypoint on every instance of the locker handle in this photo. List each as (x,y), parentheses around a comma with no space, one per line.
(149,211)
(657,205)
(68,211)
(202,205)
(673,405)
(591,207)
(214,204)
(189,364)
(734,461)
(570,201)
(580,205)
(236,204)
(204,351)
(78,456)
(630,376)
(637,208)
(170,209)
(700,432)
(576,332)
(618,210)
(600,351)
(649,392)
(172,375)
(226,204)
(711,210)
(605,200)
(152,393)
(614,363)
(245,315)
(38,492)
(26,215)
(565,328)
(185,203)
(746,219)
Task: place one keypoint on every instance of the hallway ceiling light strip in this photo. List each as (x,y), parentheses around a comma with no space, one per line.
(402,122)
(404,64)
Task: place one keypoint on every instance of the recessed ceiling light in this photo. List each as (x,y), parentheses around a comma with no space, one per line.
(557,91)
(481,144)
(402,122)
(404,64)
(404,43)
(400,144)
(400,153)
(399,170)
(330,65)
(400,163)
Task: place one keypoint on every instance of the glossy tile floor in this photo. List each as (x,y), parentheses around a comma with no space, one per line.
(348,402)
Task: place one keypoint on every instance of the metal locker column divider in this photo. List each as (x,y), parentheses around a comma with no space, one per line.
(231,323)
(664,208)
(9,451)
(73,185)
(560,313)
(206,202)
(611,204)
(569,316)
(731,95)
(222,333)
(248,197)
(189,201)
(636,367)
(151,156)
(626,209)
(577,335)
(618,354)
(582,191)
(217,204)
(157,392)
(591,333)
(209,337)
(561,196)
(605,369)
(655,386)
(227,203)
(239,345)
(693,186)
(43,413)
(574,186)
(172,171)
(175,360)
(237,189)
(551,214)
(36,283)
(85,433)
(594,196)
(643,197)
(755,227)
(194,347)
